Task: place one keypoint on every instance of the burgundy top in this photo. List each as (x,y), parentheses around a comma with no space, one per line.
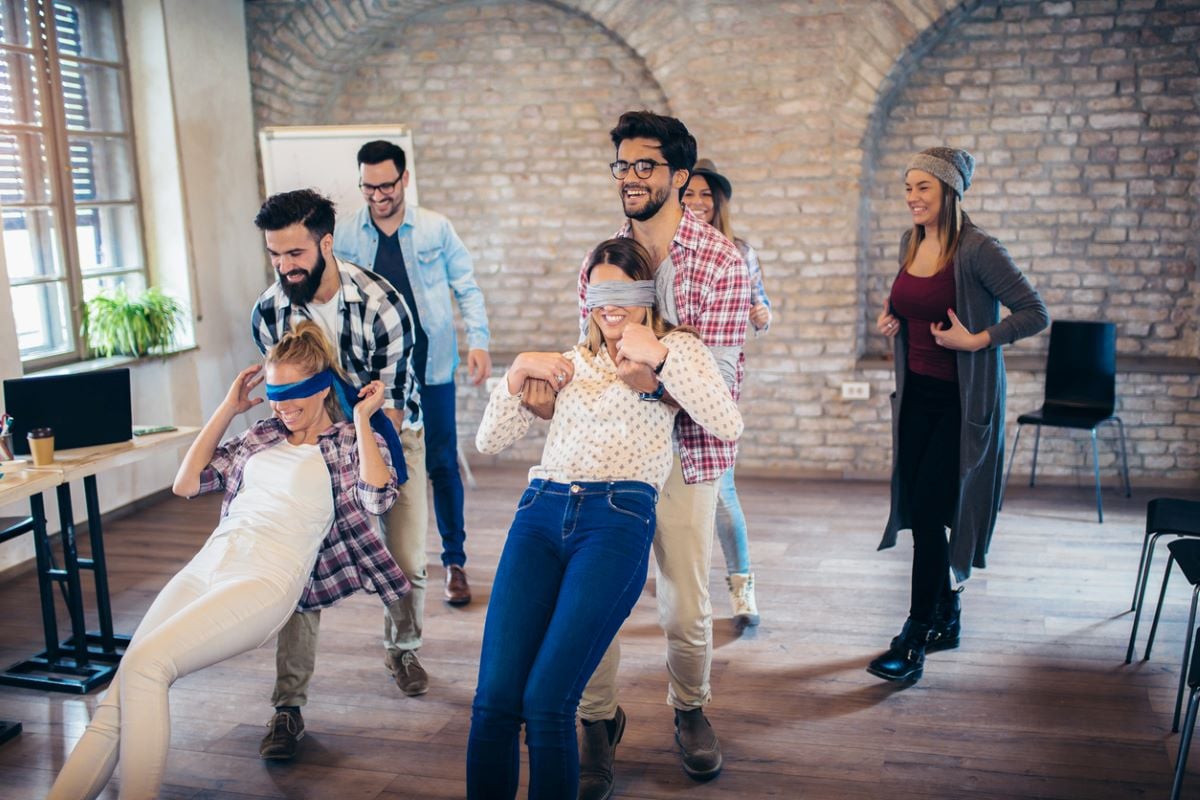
(921,302)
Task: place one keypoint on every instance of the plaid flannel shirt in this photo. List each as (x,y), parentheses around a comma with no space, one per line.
(376,337)
(712,294)
(352,556)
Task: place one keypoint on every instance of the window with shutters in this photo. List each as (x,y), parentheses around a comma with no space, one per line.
(68,185)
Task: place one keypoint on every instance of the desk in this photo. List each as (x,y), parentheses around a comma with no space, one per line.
(15,486)
(86,659)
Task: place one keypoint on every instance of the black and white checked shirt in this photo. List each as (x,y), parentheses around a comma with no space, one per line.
(375,339)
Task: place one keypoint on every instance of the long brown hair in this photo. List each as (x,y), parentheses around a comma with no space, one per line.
(306,347)
(949,226)
(634,260)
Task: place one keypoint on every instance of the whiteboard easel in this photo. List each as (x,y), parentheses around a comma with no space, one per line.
(323,157)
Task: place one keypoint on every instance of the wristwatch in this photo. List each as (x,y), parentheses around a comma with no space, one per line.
(657,394)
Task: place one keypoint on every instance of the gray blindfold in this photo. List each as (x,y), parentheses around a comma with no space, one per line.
(625,294)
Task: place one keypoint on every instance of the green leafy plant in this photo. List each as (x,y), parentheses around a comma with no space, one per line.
(115,323)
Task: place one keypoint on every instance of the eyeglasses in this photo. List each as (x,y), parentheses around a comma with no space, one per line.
(369,189)
(643,168)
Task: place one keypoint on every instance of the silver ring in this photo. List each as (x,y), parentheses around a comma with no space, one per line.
(559,376)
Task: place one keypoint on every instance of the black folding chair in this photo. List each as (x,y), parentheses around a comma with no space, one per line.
(1081,371)
(1189,722)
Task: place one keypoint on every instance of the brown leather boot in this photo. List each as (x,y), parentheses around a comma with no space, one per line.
(597,749)
(699,747)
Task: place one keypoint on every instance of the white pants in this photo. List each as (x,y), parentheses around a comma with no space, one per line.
(207,613)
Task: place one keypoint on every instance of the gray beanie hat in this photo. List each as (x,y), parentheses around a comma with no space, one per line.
(955,167)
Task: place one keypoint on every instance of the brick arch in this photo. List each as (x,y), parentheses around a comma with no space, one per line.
(291,83)
(1085,124)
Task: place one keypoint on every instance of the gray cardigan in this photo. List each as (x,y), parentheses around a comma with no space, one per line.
(984,277)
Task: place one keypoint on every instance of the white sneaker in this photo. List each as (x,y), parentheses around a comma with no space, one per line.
(741,595)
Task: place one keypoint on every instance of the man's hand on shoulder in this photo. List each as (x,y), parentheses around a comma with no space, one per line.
(539,397)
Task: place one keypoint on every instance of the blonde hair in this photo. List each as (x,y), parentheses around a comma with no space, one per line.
(633,259)
(949,229)
(306,347)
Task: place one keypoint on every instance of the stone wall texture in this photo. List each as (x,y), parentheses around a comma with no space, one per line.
(1084,117)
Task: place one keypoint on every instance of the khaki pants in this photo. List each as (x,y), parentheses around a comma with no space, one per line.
(682,556)
(404,528)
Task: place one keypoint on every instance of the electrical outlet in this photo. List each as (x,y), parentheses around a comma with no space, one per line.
(856,390)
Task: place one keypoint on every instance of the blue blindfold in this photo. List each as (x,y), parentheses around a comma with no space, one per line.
(347,397)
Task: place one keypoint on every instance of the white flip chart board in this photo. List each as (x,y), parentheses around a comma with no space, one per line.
(322,157)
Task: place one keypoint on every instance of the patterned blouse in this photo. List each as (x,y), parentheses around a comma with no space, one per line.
(603,431)
(352,556)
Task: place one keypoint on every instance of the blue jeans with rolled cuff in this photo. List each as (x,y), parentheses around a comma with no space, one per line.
(573,566)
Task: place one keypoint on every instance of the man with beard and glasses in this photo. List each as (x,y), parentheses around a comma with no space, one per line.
(418,252)
(371,329)
(701,281)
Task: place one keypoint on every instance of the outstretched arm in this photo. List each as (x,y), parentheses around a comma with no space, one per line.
(237,401)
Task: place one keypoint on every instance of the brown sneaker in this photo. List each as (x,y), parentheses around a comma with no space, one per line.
(284,732)
(458,591)
(408,673)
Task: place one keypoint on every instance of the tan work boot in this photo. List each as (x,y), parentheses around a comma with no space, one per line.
(741,596)
(597,749)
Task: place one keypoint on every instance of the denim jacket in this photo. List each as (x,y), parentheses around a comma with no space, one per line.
(437,263)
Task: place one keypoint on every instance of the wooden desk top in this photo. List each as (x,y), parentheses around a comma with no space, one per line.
(81,462)
(19,483)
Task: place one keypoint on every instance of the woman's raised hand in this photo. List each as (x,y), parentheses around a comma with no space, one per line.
(371,399)
(549,367)
(238,399)
(638,343)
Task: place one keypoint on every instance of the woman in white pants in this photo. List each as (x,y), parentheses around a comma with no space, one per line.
(296,486)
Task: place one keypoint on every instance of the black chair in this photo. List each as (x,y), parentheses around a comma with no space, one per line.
(1164,516)
(1185,553)
(1189,722)
(1081,377)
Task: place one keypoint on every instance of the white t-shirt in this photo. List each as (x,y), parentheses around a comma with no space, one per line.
(326,315)
(280,515)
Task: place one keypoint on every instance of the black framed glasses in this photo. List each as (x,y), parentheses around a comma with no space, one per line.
(643,168)
(369,189)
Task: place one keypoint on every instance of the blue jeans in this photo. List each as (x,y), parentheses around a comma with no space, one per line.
(441,462)
(731,526)
(572,568)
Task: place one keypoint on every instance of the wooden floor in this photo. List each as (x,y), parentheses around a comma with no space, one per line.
(1036,703)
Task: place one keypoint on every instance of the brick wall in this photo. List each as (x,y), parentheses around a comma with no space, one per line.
(807,108)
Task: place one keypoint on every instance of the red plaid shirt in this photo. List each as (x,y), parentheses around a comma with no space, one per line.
(352,556)
(712,294)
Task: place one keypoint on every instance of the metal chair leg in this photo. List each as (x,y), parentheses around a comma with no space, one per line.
(1141,596)
(1011,458)
(1124,458)
(1096,469)
(1037,440)
(1187,655)
(1141,567)
(1158,609)
(1185,744)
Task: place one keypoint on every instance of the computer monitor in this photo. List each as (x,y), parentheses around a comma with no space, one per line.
(84,409)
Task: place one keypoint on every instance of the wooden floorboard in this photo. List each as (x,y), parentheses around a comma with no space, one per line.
(1037,703)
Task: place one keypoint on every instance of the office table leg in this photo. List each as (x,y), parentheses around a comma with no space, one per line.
(66,518)
(111,645)
(8,730)
(61,668)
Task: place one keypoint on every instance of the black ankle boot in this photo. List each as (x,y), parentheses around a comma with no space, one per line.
(905,660)
(947,624)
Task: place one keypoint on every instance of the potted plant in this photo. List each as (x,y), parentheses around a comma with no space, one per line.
(116,324)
